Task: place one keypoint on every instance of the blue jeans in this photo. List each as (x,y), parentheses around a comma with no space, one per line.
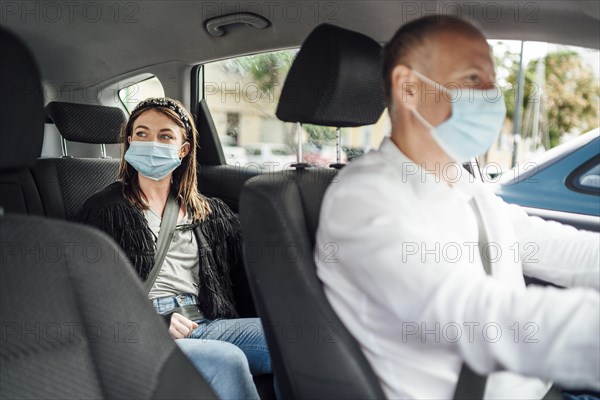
(245,334)
(223,365)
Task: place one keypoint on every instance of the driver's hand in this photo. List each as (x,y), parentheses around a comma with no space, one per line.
(181,327)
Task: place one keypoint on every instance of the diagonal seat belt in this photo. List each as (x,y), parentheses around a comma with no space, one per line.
(165,235)
(470,384)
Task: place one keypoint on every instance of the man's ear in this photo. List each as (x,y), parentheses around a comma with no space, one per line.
(404,87)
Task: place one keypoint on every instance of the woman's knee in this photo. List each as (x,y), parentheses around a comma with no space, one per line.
(232,356)
(223,365)
(214,352)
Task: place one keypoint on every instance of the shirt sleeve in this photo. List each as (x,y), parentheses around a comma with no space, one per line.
(555,252)
(544,332)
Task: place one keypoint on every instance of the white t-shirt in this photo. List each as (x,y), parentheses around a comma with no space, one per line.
(179,272)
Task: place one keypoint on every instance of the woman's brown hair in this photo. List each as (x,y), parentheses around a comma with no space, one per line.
(184,178)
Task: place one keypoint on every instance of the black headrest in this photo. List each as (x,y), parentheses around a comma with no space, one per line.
(21,104)
(335,80)
(86,123)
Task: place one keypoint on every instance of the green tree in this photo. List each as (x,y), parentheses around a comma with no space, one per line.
(572,92)
(268,71)
(320,134)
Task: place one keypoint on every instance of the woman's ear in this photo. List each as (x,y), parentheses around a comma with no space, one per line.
(404,87)
(185,150)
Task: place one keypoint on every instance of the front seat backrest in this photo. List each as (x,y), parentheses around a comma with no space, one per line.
(18,192)
(335,80)
(75,320)
(65,183)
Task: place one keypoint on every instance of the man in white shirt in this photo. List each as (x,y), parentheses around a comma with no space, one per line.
(428,272)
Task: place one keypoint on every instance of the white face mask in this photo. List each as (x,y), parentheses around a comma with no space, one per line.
(477,118)
(153,160)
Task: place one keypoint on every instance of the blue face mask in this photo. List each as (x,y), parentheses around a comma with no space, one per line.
(153,160)
(477,118)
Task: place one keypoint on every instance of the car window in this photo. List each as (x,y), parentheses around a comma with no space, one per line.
(590,178)
(133,93)
(561,96)
(242,94)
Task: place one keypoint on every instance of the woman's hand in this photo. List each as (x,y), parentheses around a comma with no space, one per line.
(181,327)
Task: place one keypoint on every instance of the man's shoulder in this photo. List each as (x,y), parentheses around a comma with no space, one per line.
(368,166)
(366,179)
(370,172)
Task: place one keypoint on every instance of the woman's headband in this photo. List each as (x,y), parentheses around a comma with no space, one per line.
(166,103)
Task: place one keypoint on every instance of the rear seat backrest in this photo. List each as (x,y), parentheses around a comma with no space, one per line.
(66,183)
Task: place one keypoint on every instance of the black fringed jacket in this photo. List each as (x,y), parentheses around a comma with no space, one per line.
(109,211)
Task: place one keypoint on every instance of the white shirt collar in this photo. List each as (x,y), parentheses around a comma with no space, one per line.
(428,182)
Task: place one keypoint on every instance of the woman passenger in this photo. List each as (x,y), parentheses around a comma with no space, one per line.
(192,288)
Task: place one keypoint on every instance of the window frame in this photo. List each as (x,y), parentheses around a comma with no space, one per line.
(123,103)
(573,178)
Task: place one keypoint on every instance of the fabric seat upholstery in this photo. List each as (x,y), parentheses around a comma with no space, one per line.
(66,183)
(18,192)
(314,355)
(76,322)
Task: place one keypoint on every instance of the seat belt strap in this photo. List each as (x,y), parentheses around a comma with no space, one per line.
(470,384)
(553,393)
(483,239)
(165,235)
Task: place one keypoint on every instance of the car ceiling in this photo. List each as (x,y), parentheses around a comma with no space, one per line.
(91,41)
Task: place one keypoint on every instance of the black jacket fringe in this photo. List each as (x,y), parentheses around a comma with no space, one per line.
(218,236)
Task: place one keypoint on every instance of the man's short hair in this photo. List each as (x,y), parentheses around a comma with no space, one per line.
(412,36)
